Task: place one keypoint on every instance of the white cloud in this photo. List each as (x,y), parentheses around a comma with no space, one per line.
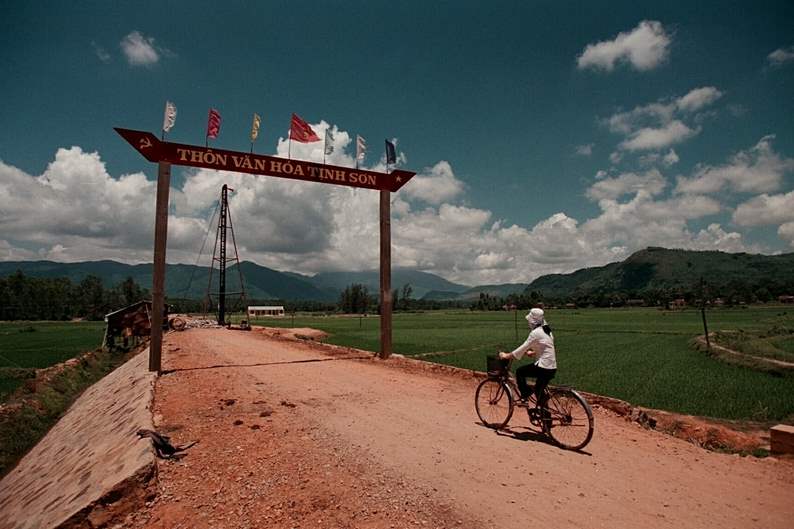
(765,209)
(757,170)
(716,238)
(786,232)
(698,98)
(658,138)
(307,227)
(651,183)
(434,185)
(660,124)
(644,48)
(584,150)
(139,49)
(670,159)
(781,56)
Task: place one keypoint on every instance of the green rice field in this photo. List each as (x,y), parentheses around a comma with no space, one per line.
(641,355)
(26,345)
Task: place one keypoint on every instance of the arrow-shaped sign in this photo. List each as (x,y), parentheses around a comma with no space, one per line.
(155,150)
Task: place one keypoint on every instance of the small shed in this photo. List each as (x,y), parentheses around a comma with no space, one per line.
(265,310)
(130,323)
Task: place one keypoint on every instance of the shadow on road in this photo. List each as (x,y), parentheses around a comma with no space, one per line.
(263,364)
(524,433)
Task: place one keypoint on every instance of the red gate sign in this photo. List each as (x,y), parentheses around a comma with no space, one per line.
(155,150)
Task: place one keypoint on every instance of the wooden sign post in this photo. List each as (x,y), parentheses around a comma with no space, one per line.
(166,154)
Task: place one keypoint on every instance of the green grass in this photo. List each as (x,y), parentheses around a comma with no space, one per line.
(35,345)
(640,355)
(776,343)
(24,426)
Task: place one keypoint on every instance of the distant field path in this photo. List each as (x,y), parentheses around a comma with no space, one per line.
(290,436)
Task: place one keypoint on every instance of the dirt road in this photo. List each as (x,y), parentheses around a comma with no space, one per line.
(291,437)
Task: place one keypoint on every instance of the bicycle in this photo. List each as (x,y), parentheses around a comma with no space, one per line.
(567,418)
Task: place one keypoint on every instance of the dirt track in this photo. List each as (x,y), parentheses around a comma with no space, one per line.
(291,437)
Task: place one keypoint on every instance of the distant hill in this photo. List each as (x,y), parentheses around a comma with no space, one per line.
(421,282)
(189,281)
(652,269)
(672,270)
(473,293)
(182,281)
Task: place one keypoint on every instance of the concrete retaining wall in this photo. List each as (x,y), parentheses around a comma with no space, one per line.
(91,463)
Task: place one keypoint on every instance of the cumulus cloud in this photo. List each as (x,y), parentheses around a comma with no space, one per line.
(757,170)
(657,138)
(434,185)
(765,210)
(139,49)
(651,183)
(660,124)
(671,158)
(644,48)
(697,99)
(715,237)
(786,232)
(781,56)
(310,227)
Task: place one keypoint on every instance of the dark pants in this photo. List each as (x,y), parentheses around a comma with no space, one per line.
(541,376)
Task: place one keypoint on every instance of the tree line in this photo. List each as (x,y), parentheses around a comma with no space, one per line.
(39,298)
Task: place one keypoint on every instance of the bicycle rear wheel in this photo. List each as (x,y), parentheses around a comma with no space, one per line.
(571,423)
(494,403)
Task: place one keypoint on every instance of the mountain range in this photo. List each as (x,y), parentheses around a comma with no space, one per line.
(648,269)
(262,283)
(675,271)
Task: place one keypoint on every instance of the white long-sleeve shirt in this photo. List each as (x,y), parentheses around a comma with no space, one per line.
(542,345)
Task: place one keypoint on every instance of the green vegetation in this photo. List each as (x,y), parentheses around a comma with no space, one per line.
(35,298)
(27,346)
(658,275)
(38,409)
(776,343)
(641,355)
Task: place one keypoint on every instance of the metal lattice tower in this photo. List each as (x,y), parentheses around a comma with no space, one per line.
(219,255)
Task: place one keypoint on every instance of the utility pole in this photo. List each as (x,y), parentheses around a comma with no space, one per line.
(703,313)
(158,272)
(385,274)
(222,256)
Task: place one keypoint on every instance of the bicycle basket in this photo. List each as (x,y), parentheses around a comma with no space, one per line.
(496,366)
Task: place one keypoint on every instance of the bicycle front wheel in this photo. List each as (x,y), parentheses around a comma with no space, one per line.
(571,422)
(494,403)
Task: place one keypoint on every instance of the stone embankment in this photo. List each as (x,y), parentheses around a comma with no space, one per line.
(91,468)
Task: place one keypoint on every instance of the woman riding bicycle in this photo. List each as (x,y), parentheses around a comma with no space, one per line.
(540,342)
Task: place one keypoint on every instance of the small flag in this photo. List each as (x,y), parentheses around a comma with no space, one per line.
(255,127)
(391,154)
(213,124)
(169,116)
(300,131)
(329,141)
(361,148)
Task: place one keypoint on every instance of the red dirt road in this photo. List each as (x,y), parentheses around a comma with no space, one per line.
(290,436)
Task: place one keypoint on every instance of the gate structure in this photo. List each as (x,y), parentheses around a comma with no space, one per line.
(166,154)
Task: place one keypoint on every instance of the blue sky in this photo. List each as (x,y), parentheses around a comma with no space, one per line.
(547,136)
